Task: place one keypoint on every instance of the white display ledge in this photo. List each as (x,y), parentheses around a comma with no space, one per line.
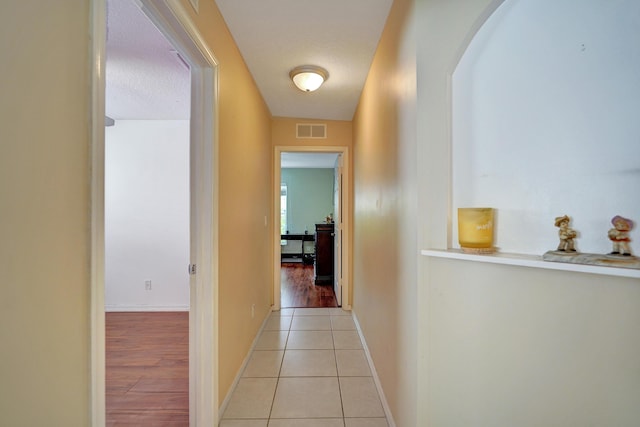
(530,261)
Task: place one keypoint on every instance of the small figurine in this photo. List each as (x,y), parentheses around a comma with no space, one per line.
(619,235)
(566,234)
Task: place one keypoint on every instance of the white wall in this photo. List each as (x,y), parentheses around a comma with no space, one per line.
(527,348)
(147,215)
(545,121)
(504,345)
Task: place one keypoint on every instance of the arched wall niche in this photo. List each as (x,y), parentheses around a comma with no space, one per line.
(546,121)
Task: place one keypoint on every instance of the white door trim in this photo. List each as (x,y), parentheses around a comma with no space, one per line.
(338,197)
(99,31)
(174,22)
(346,212)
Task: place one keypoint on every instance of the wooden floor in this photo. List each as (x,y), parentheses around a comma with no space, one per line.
(147,369)
(147,355)
(297,288)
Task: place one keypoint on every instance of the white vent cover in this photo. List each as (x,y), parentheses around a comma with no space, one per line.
(313,131)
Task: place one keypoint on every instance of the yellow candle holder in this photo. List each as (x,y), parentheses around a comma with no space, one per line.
(475,230)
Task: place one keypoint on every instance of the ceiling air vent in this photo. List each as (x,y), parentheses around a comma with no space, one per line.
(311,131)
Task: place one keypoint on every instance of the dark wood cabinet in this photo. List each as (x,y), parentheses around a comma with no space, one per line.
(324,254)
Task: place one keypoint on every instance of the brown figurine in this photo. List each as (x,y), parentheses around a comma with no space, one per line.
(566,234)
(619,235)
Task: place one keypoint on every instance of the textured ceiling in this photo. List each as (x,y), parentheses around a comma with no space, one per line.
(146,80)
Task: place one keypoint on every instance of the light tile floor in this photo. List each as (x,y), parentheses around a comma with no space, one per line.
(308,369)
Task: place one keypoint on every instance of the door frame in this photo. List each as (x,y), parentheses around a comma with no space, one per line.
(338,181)
(175,23)
(346,212)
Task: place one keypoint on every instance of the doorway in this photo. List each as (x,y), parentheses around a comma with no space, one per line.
(147,240)
(175,24)
(299,238)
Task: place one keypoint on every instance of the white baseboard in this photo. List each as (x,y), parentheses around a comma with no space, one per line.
(376,379)
(121,307)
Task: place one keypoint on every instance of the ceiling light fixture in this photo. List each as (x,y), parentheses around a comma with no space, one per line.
(308,78)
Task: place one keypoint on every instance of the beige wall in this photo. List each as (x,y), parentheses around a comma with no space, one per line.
(44,213)
(385,248)
(506,345)
(339,133)
(245,257)
(45,205)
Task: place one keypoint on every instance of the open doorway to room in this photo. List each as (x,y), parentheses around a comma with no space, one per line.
(147,222)
(154,222)
(311,227)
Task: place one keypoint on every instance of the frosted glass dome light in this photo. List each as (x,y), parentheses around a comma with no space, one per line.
(308,78)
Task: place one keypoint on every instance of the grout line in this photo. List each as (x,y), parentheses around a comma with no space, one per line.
(338,375)
(368,361)
(275,390)
(236,380)
(284,352)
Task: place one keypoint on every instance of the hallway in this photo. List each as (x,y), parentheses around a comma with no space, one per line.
(308,369)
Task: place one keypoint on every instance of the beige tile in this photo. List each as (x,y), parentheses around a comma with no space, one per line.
(338,311)
(366,422)
(264,363)
(311,323)
(272,340)
(307,398)
(360,398)
(283,312)
(342,323)
(352,363)
(324,422)
(312,312)
(251,398)
(310,340)
(243,423)
(346,340)
(278,323)
(309,363)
